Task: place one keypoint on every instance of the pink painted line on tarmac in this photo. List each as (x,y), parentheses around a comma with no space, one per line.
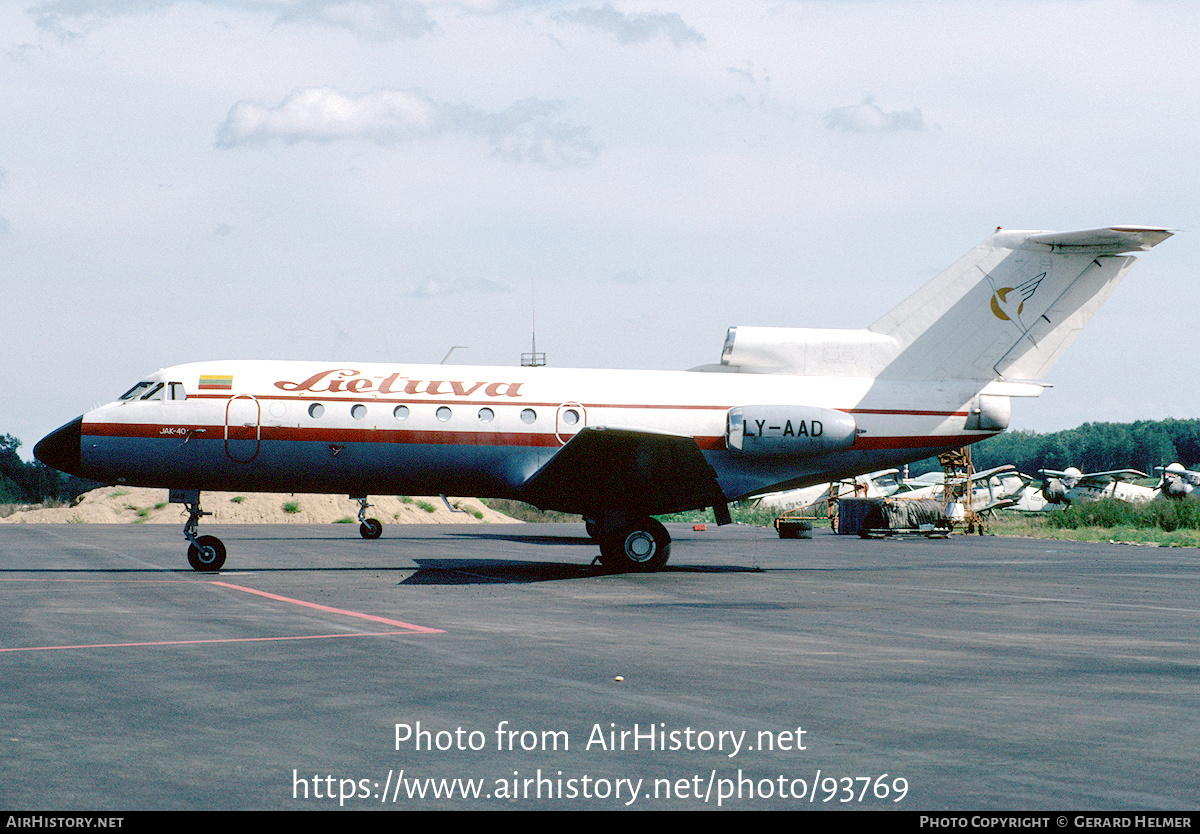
(327,609)
(217,640)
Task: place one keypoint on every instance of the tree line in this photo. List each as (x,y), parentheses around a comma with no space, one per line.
(1092,447)
(34,483)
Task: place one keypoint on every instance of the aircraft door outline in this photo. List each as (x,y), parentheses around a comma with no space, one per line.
(243,427)
(569,419)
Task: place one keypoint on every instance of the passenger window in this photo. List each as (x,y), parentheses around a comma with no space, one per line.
(316,410)
(528,415)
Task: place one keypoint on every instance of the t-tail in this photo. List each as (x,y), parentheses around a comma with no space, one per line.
(1002,316)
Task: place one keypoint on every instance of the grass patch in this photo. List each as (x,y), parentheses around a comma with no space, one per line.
(1089,523)
(291,507)
(344,520)
(526,512)
(237,499)
(427,507)
(1161,514)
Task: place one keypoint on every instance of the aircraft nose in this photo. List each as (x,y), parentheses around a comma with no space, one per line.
(60,448)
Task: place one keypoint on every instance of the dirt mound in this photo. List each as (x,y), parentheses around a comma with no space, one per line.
(137,505)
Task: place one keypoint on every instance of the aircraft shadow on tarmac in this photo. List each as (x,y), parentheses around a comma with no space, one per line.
(524,539)
(490,571)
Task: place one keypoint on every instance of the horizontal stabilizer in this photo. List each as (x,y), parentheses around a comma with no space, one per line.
(1114,240)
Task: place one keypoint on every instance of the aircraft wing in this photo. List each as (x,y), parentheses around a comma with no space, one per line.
(1105,478)
(642,472)
(990,472)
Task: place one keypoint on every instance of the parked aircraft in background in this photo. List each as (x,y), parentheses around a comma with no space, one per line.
(872,485)
(1178,482)
(784,408)
(1070,486)
(992,489)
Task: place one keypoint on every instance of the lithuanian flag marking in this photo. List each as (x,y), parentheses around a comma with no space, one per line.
(216,382)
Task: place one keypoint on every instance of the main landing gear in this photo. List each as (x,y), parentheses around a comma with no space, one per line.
(638,544)
(205,553)
(368,528)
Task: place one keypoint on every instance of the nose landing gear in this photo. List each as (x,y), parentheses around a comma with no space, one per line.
(368,528)
(205,553)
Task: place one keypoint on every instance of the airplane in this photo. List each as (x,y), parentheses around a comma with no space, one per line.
(871,485)
(784,408)
(1177,482)
(1071,486)
(992,489)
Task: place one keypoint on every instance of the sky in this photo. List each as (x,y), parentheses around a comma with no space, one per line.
(381,180)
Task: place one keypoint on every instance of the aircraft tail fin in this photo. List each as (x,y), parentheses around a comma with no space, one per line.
(1003,314)
(1010,307)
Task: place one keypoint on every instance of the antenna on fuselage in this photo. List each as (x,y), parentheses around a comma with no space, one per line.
(533,359)
(452,349)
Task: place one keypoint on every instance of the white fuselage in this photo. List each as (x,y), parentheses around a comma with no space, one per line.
(359,428)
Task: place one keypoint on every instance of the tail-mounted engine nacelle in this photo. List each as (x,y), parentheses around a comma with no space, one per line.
(788,430)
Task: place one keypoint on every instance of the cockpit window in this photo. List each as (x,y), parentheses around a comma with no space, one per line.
(138,390)
(155,391)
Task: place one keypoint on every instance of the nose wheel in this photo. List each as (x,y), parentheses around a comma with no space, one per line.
(368,528)
(205,553)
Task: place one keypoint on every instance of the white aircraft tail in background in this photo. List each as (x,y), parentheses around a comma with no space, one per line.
(785,408)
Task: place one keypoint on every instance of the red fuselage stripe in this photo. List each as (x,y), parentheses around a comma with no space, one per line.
(445,437)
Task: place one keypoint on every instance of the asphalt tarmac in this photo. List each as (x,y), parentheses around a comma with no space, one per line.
(491,667)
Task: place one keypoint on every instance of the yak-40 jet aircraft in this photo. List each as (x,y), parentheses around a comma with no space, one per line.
(784,408)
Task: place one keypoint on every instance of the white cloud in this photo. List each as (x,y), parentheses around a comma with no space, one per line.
(433,287)
(868,117)
(372,19)
(320,114)
(369,19)
(634,28)
(524,132)
(74,18)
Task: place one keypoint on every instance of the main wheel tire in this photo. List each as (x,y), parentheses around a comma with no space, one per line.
(206,554)
(643,546)
(589,526)
(372,528)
